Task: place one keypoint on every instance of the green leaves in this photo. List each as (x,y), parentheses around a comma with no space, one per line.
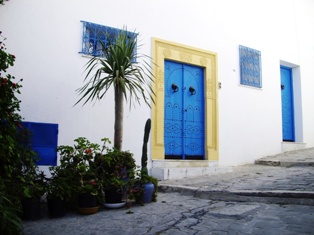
(10,222)
(77,172)
(118,69)
(17,160)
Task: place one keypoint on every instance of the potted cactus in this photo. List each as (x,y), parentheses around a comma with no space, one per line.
(145,186)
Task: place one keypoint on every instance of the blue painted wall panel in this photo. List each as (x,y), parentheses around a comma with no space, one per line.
(44,141)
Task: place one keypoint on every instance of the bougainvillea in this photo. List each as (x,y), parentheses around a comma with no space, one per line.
(17,160)
(9,104)
(10,119)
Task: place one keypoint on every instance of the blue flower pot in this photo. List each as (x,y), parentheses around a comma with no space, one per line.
(149,189)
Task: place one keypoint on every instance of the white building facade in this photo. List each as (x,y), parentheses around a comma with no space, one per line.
(243,114)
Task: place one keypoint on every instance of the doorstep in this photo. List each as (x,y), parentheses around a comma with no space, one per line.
(179,169)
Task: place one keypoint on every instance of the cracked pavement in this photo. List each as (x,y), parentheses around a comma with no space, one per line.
(274,198)
(178,214)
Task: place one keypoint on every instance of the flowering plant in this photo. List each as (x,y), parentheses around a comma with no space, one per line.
(17,160)
(77,166)
(9,103)
(116,168)
(88,179)
(90,186)
(19,176)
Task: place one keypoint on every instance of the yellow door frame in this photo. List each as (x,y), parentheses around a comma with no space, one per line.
(164,50)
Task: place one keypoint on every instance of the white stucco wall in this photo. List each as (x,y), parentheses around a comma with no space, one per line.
(45,36)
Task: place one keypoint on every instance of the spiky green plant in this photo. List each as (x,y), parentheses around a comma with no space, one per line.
(144,148)
(118,69)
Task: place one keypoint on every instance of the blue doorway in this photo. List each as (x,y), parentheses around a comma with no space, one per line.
(184,129)
(287,104)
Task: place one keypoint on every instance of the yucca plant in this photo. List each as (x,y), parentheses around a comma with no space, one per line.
(118,69)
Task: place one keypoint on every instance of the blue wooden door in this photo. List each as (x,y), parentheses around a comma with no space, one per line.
(287,104)
(184,111)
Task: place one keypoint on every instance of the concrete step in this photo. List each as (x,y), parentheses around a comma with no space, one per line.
(300,158)
(179,169)
(283,163)
(275,196)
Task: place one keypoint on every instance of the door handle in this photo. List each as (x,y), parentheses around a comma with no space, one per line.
(192,90)
(282,86)
(174,87)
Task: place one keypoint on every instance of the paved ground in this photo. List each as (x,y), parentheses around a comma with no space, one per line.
(274,198)
(284,178)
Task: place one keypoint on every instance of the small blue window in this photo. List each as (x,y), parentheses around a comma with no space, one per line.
(96,36)
(44,138)
(250,67)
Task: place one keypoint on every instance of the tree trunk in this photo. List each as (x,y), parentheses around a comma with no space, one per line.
(118,124)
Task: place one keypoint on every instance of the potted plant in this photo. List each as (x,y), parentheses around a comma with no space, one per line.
(88,191)
(55,199)
(58,192)
(33,189)
(79,170)
(116,169)
(118,70)
(145,186)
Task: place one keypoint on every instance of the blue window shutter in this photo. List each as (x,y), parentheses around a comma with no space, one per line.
(95,36)
(250,67)
(44,141)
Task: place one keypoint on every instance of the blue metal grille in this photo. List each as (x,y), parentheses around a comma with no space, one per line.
(96,37)
(250,67)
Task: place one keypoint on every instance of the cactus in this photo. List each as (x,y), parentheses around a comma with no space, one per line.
(144,149)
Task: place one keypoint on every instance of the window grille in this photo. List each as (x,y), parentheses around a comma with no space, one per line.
(250,67)
(96,37)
